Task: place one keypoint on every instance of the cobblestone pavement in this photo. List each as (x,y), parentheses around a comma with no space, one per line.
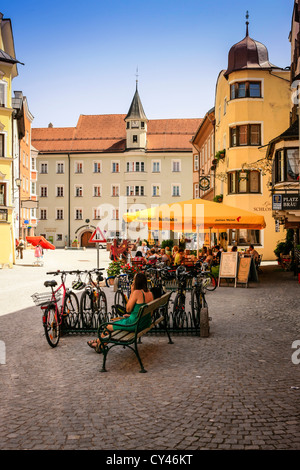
(237,389)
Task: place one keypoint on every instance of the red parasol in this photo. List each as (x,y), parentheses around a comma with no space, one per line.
(40,240)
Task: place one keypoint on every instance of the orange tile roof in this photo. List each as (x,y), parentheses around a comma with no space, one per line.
(107,133)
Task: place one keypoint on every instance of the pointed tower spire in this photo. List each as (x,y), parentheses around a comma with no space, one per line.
(247,23)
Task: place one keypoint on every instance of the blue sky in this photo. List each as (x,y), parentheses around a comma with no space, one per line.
(81,57)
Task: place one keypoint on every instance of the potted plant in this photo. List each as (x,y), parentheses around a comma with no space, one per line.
(222,154)
(218,198)
(114,269)
(75,243)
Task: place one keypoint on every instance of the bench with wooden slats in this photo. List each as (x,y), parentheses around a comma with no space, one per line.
(157,309)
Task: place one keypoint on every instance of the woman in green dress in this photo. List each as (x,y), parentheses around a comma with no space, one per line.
(140,295)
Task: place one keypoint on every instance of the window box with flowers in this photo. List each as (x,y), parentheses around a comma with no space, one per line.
(218,198)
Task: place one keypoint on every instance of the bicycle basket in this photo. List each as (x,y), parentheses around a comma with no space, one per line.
(44,298)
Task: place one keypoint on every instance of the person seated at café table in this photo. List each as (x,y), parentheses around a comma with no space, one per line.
(168,251)
(152,256)
(218,254)
(253,253)
(234,248)
(209,258)
(164,257)
(139,258)
(179,257)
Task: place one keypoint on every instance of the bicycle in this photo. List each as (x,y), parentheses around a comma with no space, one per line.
(198,300)
(124,285)
(206,273)
(93,302)
(54,315)
(179,314)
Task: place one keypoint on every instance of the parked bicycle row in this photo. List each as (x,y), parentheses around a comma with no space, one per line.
(84,306)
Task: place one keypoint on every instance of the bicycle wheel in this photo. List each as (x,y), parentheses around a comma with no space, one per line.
(213,281)
(120,298)
(179,311)
(102,307)
(71,310)
(196,307)
(51,326)
(87,308)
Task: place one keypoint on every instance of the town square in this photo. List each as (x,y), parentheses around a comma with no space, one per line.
(150,229)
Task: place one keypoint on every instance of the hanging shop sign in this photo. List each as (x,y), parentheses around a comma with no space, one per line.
(204,183)
(283,202)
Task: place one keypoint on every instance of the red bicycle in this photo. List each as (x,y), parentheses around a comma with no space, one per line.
(54,314)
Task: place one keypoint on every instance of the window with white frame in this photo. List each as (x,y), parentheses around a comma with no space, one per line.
(59,191)
(43,191)
(33,163)
(97,213)
(78,191)
(115,167)
(97,167)
(97,190)
(60,167)
(78,214)
(78,167)
(196,162)
(44,168)
(59,214)
(33,188)
(176,166)
(3,93)
(156,190)
(135,190)
(115,214)
(43,214)
(33,213)
(135,167)
(196,191)
(2,145)
(175,190)
(115,190)
(3,194)
(156,166)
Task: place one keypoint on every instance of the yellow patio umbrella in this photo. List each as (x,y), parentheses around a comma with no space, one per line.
(196,215)
(188,216)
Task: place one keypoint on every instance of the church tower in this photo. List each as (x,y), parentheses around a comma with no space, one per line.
(136,124)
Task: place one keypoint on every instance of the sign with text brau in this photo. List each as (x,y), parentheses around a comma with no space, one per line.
(283,202)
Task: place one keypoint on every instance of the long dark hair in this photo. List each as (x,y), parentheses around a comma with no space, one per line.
(140,282)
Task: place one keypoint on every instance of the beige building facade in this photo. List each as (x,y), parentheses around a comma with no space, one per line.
(91,175)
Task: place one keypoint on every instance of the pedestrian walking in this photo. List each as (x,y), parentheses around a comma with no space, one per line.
(20,248)
(38,253)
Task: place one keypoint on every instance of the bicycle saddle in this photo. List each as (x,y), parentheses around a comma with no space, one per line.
(50,283)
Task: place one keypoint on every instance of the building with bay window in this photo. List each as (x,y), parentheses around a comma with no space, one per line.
(283,150)
(252,105)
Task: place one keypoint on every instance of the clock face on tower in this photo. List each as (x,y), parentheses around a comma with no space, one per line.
(135,124)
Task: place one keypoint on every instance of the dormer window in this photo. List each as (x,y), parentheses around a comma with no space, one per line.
(134,138)
(142,125)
